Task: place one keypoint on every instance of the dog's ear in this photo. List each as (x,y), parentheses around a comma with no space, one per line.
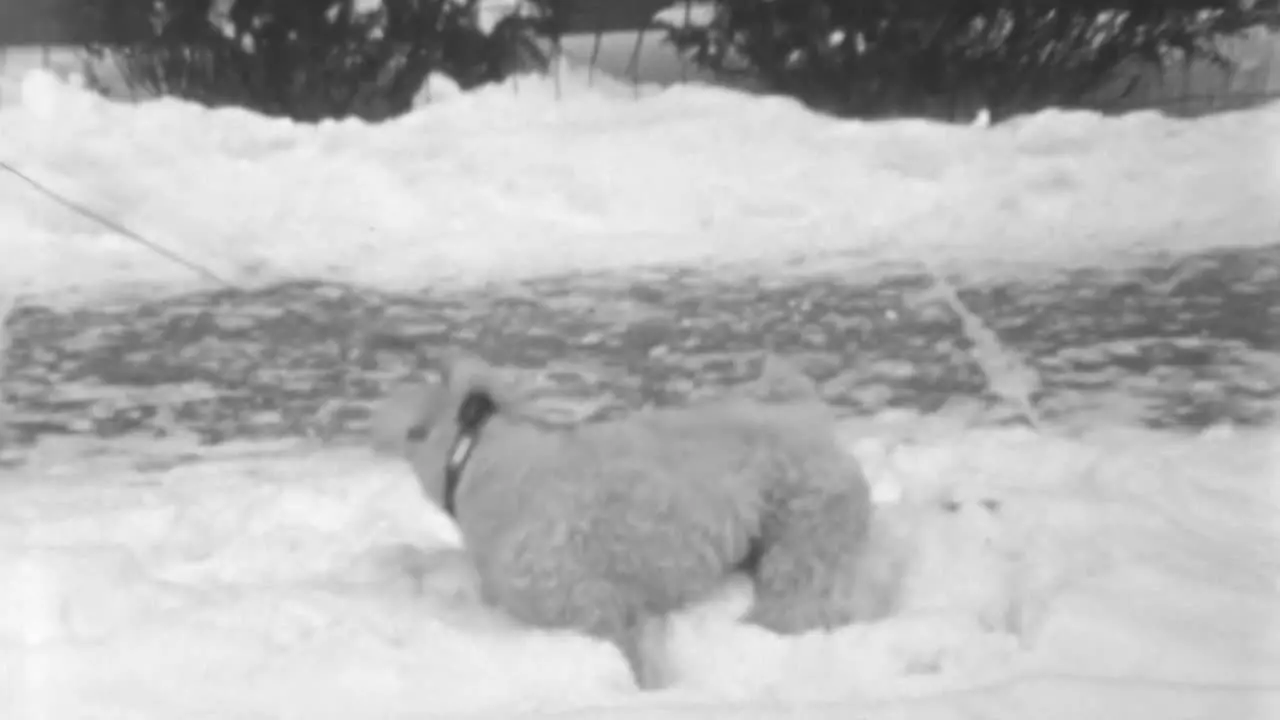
(781,381)
(477,406)
(468,377)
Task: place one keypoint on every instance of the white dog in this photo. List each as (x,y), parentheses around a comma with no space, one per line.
(607,527)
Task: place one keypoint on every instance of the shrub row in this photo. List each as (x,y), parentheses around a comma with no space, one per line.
(305,59)
(924,57)
(313,59)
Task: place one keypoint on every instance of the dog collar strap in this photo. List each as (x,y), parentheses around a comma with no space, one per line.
(476,410)
(458,457)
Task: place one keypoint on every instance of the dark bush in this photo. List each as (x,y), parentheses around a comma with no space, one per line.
(304,59)
(948,58)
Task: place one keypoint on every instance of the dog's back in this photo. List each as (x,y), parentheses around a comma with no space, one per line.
(663,504)
(657,511)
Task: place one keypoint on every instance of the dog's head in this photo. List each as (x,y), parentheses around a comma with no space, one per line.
(423,422)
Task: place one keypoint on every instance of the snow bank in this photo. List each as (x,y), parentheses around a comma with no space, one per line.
(687,14)
(1120,574)
(511,182)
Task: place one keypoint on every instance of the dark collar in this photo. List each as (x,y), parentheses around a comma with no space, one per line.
(476,409)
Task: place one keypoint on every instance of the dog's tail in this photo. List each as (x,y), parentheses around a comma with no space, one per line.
(781,382)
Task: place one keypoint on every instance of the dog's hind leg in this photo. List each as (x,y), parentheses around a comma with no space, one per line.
(643,645)
(642,641)
(805,573)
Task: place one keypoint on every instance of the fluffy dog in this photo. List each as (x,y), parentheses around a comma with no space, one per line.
(608,527)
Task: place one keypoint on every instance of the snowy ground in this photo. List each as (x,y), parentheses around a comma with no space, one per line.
(188,530)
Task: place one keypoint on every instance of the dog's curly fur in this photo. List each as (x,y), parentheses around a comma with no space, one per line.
(607,527)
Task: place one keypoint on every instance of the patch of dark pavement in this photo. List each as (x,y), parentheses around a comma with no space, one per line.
(1192,342)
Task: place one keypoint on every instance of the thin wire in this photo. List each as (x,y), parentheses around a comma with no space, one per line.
(117,227)
(128,234)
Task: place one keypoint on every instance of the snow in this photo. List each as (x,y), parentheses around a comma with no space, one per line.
(1102,570)
(599,180)
(491,12)
(1119,570)
(687,14)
